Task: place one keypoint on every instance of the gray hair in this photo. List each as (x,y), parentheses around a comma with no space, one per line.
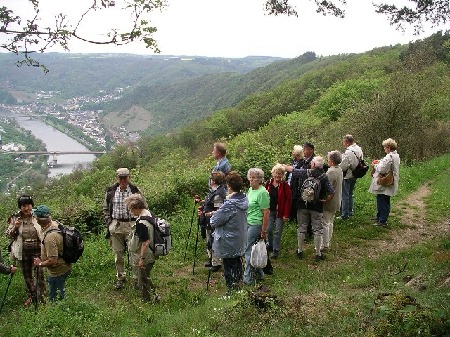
(349,139)
(335,156)
(135,201)
(318,161)
(256,172)
(297,149)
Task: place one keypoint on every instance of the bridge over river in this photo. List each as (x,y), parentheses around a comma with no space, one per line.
(54,154)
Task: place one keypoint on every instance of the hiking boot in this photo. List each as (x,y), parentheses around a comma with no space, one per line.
(319,258)
(379,224)
(119,284)
(299,255)
(274,254)
(215,268)
(268,270)
(343,218)
(28,301)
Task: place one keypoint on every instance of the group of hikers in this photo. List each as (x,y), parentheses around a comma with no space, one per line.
(310,190)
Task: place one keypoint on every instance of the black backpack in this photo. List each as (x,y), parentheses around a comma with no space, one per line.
(361,169)
(73,245)
(162,238)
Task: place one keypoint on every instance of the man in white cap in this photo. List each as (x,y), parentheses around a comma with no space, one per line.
(118,221)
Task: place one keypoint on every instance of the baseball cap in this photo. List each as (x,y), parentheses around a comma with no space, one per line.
(123,172)
(42,212)
(25,200)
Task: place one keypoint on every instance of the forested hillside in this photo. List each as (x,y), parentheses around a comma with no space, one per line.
(86,74)
(401,92)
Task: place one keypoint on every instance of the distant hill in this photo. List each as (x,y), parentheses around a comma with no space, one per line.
(87,74)
(175,104)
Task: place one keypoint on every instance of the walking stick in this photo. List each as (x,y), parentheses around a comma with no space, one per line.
(36,291)
(190,230)
(196,245)
(6,292)
(209,278)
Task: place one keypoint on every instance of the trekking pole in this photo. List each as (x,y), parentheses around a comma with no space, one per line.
(190,230)
(35,299)
(195,248)
(125,244)
(209,277)
(6,292)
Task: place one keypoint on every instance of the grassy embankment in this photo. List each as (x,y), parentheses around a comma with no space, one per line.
(360,290)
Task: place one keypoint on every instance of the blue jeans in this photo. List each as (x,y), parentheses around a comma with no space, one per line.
(250,273)
(57,283)
(348,187)
(383,207)
(275,230)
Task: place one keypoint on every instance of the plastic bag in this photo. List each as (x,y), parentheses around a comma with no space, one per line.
(258,258)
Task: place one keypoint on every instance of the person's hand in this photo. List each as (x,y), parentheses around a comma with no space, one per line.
(17,223)
(374,162)
(36,261)
(285,219)
(13,269)
(287,168)
(199,211)
(141,263)
(264,235)
(197,199)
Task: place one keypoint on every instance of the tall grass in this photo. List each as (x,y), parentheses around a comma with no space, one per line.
(342,296)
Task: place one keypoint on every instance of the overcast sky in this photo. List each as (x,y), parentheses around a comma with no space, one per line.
(239,28)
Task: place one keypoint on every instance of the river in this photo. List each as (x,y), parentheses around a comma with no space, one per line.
(55,140)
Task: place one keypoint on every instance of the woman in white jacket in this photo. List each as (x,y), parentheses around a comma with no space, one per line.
(383,193)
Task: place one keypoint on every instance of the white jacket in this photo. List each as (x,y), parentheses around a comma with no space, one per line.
(383,167)
(350,159)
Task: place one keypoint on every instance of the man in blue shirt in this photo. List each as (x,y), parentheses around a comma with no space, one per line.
(219,153)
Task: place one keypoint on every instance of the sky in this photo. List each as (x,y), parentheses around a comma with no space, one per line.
(240,28)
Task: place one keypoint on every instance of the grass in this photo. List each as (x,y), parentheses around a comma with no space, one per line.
(357,291)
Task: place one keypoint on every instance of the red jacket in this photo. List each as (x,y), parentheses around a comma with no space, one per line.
(284,198)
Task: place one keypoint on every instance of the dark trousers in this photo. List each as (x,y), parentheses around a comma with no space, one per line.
(233,271)
(30,250)
(383,207)
(145,282)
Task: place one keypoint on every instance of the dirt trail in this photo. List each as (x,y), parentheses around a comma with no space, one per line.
(413,211)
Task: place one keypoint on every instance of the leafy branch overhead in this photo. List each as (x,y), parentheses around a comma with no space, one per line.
(417,13)
(28,35)
(24,34)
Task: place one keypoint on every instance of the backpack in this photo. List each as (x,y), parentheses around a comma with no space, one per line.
(73,245)
(361,169)
(310,189)
(162,239)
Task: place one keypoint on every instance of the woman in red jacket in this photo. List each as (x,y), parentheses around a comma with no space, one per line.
(280,207)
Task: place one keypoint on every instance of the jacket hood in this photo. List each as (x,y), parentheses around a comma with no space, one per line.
(240,200)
